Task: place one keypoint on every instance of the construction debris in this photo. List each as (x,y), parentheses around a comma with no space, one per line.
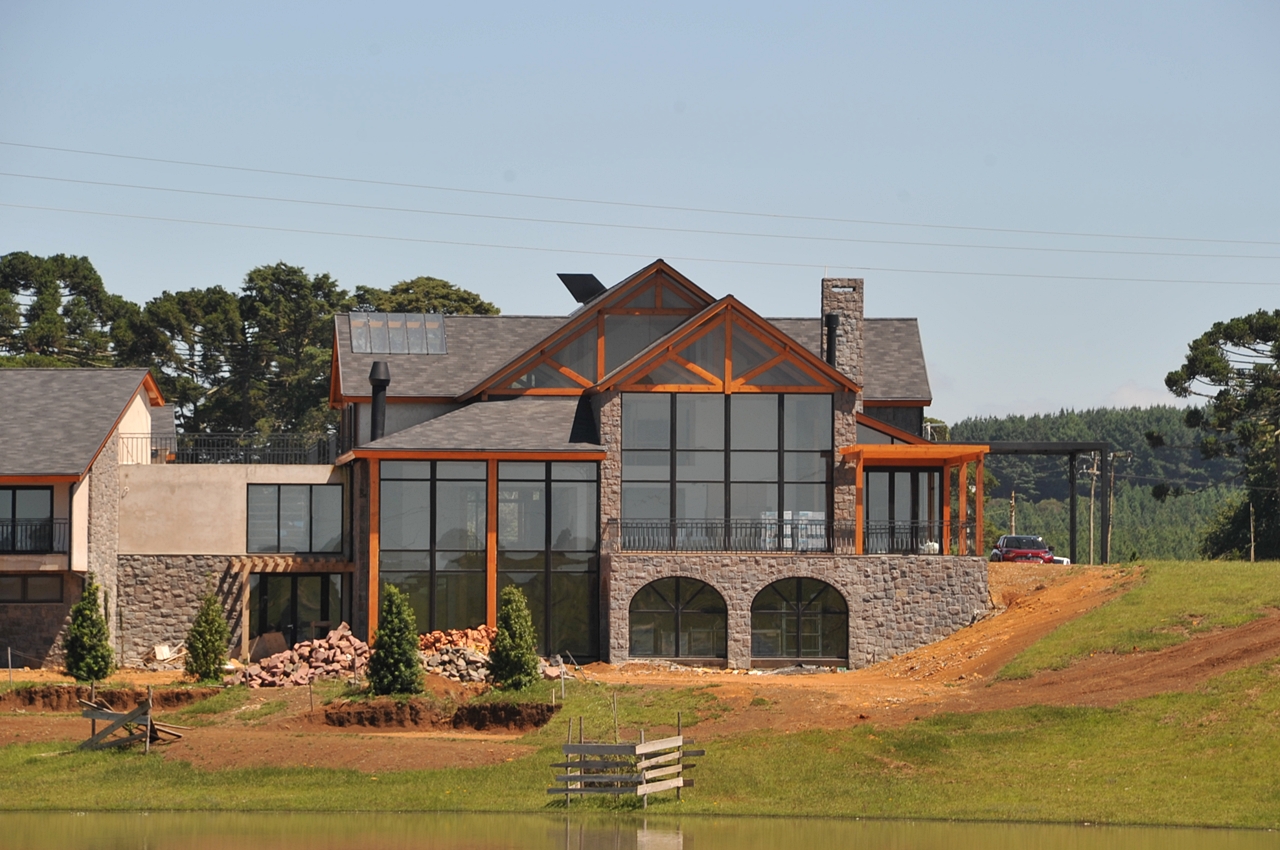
(457,663)
(477,639)
(338,654)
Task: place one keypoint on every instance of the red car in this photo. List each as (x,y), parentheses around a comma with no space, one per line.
(1022,547)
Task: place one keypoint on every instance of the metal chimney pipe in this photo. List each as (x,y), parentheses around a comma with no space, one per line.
(832,322)
(379,378)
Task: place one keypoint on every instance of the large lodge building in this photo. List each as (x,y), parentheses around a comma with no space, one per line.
(663,473)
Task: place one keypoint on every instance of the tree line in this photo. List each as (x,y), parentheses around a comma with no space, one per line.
(252,359)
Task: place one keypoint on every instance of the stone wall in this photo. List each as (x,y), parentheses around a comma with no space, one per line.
(160,595)
(34,630)
(843,296)
(896,602)
(104,529)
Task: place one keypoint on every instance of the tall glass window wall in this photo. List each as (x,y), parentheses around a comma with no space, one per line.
(903,511)
(711,471)
(432,539)
(548,546)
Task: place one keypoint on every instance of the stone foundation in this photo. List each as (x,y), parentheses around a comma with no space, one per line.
(896,602)
(160,595)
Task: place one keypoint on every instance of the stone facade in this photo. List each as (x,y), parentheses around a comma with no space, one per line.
(160,595)
(896,603)
(104,528)
(843,296)
(34,630)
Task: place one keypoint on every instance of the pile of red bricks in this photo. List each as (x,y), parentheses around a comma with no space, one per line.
(477,639)
(338,654)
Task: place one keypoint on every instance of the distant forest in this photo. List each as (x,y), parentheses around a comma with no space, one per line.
(1142,527)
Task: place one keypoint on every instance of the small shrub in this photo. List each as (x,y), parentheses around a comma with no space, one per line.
(513,658)
(88,645)
(395,666)
(207,641)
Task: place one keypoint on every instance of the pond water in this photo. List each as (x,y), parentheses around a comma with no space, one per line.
(200,831)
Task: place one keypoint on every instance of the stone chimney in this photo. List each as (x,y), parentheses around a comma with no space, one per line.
(842,297)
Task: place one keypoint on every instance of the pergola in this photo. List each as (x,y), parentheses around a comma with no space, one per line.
(945,456)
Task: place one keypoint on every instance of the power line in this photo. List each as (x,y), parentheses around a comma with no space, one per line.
(609,225)
(631,204)
(422,240)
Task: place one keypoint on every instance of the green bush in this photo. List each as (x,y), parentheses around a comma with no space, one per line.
(88,645)
(207,641)
(513,658)
(395,666)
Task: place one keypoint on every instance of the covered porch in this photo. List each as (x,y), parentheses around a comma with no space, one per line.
(904,501)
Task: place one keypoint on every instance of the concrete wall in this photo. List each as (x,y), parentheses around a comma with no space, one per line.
(896,603)
(198,509)
(160,595)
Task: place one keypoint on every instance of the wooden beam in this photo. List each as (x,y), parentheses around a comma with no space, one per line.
(979,541)
(859,500)
(963,541)
(946,509)
(491,544)
(375,531)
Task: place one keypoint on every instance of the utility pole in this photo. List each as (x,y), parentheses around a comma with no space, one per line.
(1013,512)
(1111,495)
(1251,547)
(1093,489)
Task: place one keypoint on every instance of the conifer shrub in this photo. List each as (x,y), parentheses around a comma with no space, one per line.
(513,657)
(207,641)
(395,666)
(87,644)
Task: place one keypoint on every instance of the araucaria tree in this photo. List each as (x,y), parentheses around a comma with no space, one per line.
(87,644)
(395,666)
(1235,367)
(513,658)
(207,641)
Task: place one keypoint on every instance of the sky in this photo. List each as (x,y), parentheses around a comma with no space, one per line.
(1094,183)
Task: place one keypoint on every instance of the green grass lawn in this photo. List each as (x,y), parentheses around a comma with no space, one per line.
(1207,758)
(1172,601)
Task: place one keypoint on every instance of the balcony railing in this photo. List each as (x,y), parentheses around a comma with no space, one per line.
(783,535)
(229,448)
(33,536)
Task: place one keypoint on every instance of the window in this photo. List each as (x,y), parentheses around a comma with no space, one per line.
(548,546)
(31,588)
(295,518)
(298,606)
(799,618)
(432,539)
(711,471)
(26,521)
(678,618)
(903,511)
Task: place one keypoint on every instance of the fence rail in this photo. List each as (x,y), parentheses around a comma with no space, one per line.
(35,536)
(785,535)
(228,448)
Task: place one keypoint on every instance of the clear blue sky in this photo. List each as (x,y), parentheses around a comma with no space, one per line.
(1148,119)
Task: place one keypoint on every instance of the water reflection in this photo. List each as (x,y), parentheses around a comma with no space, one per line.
(58,831)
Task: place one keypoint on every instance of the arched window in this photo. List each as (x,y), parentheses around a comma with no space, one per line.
(678,618)
(799,618)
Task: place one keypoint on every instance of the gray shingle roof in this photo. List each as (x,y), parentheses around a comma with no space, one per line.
(530,423)
(54,420)
(478,346)
(894,367)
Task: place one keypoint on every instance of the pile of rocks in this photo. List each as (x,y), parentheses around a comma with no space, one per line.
(338,654)
(477,639)
(457,663)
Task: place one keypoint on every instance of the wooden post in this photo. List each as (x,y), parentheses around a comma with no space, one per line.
(93,698)
(491,544)
(244,614)
(946,508)
(375,530)
(962,546)
(146,747)
(859,499)
(680,760)
(980,543)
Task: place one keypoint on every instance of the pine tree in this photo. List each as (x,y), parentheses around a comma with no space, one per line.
(207,641)
(513,658)
(88,646)
(395,666)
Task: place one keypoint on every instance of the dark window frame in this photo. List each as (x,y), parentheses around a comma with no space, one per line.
(311,531)
(549,553)
(12,519)
(25,596)
(433,549)
(325,599)
(677,608)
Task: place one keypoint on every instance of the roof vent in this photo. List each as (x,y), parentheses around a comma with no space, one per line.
(583,287)
(397,333)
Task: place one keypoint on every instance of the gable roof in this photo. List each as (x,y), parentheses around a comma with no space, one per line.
(893,365)
(57,420)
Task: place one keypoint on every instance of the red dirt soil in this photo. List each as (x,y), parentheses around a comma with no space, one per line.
(952,675)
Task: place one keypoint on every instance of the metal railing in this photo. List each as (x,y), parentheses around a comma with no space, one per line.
(228,448)
(783,535)
(34,536)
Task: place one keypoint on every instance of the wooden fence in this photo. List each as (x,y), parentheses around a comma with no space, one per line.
(640,769)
